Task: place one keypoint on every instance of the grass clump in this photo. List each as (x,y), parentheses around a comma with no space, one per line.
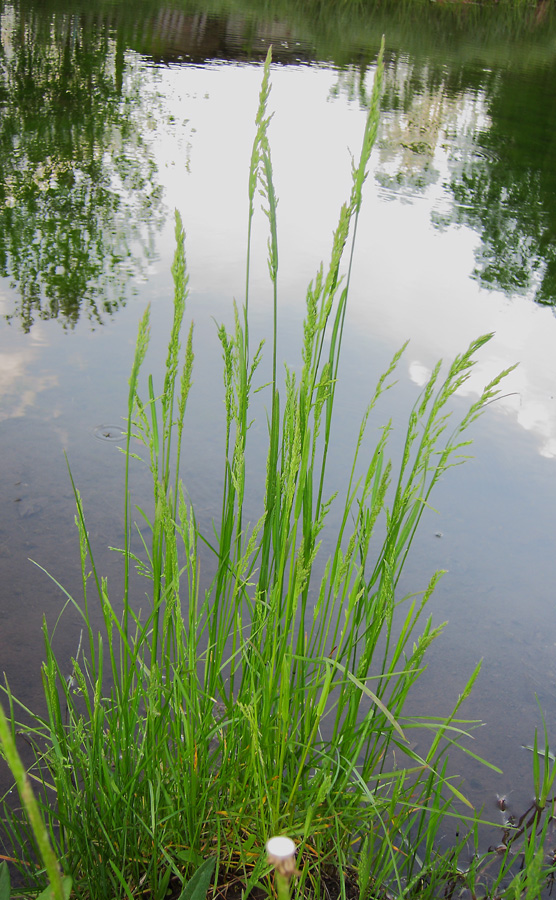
(271,702)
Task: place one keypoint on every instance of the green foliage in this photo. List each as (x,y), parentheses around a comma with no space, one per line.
(273,700)
(4,881)
(49,892)
(40,833)
(198,885)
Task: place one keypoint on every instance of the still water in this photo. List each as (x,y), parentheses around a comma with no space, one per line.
(108,124)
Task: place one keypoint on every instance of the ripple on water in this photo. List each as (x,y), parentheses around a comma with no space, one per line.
(109,433)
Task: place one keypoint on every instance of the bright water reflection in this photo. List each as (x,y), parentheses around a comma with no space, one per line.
(449,212)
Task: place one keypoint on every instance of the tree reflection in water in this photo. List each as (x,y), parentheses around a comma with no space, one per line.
(506,188)
(489,138)
(79,201)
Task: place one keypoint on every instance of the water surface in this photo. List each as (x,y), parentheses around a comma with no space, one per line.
(108,124)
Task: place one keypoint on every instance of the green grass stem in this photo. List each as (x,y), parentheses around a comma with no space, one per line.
(31,807)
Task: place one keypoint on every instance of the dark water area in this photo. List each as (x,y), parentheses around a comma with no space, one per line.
(111,115)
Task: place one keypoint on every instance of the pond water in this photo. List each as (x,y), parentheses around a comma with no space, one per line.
(109,122)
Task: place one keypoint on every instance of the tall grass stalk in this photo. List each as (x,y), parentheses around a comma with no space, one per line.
(272,701)
(40,832)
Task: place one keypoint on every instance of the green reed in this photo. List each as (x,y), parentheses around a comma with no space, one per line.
(273,701)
